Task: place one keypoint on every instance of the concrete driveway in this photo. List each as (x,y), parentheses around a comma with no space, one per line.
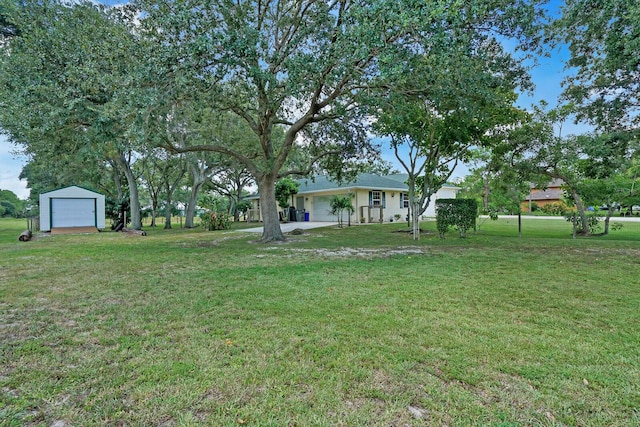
(289,226)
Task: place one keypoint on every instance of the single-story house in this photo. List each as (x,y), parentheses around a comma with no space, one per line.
(553,193)
(375,198)
(71,207)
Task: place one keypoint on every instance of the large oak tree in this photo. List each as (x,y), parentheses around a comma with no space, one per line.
(302,68)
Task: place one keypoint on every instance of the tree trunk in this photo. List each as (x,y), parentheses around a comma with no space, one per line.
(485,195)
(134,199)
(198,174)
(238,197)
(170,188)
(415,220)
(134,232)
(191,206)
(413,208)
(583,215)
(154,196)
(269,209)
(167,213)
(154,211)
(608,218)
(25,236)
(116,176)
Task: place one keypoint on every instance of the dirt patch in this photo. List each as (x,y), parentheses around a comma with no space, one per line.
(347,252)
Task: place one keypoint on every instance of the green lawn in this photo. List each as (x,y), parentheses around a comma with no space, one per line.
(352,327)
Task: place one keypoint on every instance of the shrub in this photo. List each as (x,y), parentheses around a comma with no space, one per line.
(460,213)
(593,222)
(557,208)
(215,220)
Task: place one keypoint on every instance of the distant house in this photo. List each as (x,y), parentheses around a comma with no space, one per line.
(541,197)
(71,207)
(374,198)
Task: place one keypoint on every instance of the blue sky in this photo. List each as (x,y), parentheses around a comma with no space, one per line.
(547,77)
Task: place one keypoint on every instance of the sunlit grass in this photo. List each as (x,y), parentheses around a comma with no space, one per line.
(359,326)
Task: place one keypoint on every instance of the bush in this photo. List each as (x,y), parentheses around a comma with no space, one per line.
(215,220)
(534,207)
(554,209)
(460,213)
(593,222)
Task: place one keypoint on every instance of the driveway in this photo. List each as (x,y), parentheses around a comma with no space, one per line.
(289,226)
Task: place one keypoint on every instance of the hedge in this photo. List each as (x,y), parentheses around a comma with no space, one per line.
(459,213)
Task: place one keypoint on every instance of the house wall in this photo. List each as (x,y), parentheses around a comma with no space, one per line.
(316,204)
(393,204)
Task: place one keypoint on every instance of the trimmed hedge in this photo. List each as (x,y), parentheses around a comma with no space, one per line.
(459,213)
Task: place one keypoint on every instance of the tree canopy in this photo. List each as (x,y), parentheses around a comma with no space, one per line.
(293,84)
(303,69)
(67,85)
(604,40)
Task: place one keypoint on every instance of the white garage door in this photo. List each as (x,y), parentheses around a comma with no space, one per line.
(321,209)
(73,212)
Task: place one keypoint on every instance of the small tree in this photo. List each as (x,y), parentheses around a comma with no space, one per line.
(241,208)
(285,189)
(339,204)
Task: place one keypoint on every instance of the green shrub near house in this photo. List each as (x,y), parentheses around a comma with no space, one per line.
(458,213)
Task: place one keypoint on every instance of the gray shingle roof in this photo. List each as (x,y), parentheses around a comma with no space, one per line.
(369,181)
(365,180)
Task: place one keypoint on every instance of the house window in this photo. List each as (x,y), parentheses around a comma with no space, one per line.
(405,200)
(376,198)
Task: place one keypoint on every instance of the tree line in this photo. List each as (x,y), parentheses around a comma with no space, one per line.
(166,95)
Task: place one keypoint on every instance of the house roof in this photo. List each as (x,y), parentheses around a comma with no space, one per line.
(72,191)
(322,183)
(548,194)
(553,191)
(554,183)
(396,182)
(365,180)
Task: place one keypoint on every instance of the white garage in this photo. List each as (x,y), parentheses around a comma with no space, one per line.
(71,207)
(322,209)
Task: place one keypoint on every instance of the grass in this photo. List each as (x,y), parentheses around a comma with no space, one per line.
(360,326)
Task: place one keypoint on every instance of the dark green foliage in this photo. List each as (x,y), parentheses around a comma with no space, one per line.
(9,208)
(10,204)
(115,210)
(459,213)
(243,206)
(285,188)
(593,224)
(603,41)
